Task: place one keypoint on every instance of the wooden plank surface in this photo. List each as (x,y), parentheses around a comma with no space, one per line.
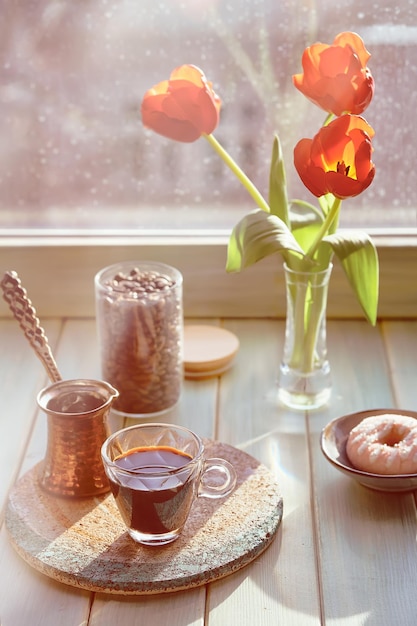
(365,539)
(274,586)
(44,602)
(344,555)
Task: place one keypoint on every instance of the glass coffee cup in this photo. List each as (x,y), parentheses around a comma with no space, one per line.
(155,472)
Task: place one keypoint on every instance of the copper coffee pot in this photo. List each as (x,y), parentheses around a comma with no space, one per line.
(77,411)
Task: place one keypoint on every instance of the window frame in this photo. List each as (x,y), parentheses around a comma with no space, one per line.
(58,272)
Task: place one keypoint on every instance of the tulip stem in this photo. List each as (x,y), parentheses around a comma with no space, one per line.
(246,182)
(330,217)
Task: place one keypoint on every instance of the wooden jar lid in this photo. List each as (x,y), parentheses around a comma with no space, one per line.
(208,350)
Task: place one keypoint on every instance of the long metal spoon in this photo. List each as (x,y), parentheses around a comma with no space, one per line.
(24,312)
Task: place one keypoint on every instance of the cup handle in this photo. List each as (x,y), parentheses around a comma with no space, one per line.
(221,482)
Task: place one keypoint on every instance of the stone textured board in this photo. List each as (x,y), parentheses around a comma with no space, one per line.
(83,542)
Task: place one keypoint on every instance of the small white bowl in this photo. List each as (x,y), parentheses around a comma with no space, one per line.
(333,445)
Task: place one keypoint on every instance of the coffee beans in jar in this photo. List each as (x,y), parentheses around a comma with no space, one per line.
(140,329)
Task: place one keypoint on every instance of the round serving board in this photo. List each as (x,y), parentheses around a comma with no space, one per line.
(83,542)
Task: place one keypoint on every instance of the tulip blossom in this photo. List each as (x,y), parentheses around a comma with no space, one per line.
(183,108)
(334,165)
(338,159)
(336,77)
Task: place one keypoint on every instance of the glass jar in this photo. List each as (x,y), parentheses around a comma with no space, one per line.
(139,316)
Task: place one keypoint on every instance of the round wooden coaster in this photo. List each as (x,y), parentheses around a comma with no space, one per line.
(208,350)
(83,542)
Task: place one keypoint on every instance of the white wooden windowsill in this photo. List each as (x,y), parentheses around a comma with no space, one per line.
(58,273)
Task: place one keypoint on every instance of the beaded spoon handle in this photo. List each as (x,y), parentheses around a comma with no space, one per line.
(24,312)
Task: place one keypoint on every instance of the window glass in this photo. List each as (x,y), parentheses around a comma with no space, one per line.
(74,153)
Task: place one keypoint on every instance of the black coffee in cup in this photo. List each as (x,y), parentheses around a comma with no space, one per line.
(158,498)
(156,471)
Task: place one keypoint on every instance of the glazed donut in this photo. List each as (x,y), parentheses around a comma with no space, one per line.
(384,444)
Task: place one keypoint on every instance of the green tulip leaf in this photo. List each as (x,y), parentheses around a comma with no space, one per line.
(359,259)
(256,236)
(305,230)
(278,200)
(303,214)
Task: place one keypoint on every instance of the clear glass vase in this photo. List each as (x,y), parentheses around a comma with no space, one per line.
(304,377)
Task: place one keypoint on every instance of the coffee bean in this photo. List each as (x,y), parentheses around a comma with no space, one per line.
(141,341)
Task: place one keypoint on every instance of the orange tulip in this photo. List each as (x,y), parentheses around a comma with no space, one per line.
(182,108)
(336,77)
(338,159)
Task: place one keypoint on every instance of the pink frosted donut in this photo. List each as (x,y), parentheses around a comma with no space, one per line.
(384,444)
